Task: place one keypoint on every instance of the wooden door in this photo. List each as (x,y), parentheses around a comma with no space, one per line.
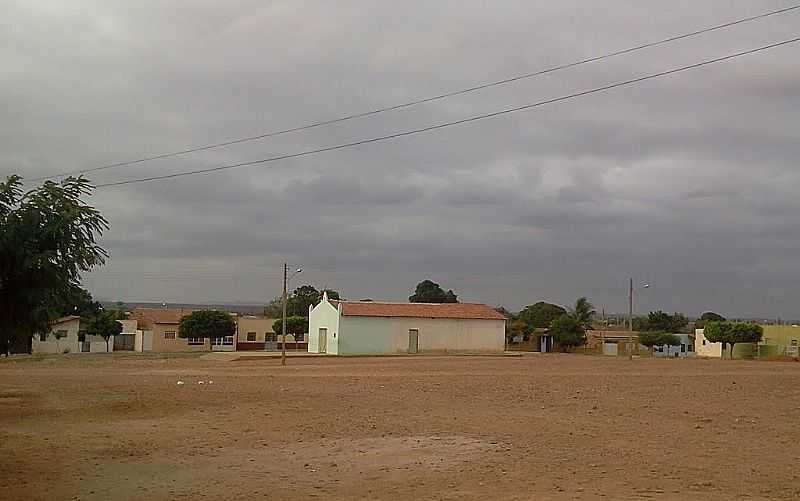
(323,340)
(413,340)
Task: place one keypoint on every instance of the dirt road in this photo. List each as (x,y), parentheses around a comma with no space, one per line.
(111,427)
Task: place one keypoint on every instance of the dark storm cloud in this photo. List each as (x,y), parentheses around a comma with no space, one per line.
(689,182)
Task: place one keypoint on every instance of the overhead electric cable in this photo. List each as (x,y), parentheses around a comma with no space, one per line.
(453,123)
(424,100)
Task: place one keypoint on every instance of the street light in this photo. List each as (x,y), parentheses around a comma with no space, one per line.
(645,285)
(286,279)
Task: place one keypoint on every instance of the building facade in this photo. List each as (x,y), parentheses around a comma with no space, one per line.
(368,327)
(255,333)
(68,335)
(159,328)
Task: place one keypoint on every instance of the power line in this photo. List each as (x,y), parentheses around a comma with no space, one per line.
(427,99)
(450,124)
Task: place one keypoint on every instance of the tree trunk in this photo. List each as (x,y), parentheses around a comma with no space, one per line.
(732,345)
(108,349)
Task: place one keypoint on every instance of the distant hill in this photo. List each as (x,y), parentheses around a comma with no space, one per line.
(243,309)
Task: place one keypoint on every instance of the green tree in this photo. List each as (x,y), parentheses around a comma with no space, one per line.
(640,324)
(650,339)
(429,291)
(668,339)
(298,302)
(664,322)
(104,325)
(567,332)
(732,333)
(514,328)
(210,324)
(745,332)
(719,332)
(708,316)
(301,299)
(77,301)
(48,237)
(294,325)
(583,312)
(540,315)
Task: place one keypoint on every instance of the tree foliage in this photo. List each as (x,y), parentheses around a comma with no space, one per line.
(104,325)
(514,328)
(658,338)
(540,315)
(298,302)
(294,325)
(708,316)
(48,237)
(567,332)
(583,312)
(429,291)
(661,321)
(210,324)
(731,333)
(77,301)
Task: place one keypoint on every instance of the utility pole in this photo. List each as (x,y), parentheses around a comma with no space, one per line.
(283,330)
(630,321)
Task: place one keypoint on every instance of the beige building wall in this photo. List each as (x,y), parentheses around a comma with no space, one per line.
(163,340)
(364,335)
(247,324)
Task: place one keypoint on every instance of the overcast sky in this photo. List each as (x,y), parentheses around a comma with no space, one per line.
(689,182)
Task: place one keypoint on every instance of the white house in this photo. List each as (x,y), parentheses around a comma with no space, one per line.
(683,350)
(67,335)
(704,347)
(369,327)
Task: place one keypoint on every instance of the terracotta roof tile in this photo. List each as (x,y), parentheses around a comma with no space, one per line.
(420,310)
(64,319)
(160,315)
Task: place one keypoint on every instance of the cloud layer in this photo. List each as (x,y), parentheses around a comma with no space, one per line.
(688,182)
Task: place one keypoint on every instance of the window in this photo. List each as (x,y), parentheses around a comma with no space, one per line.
(298,337)
(683,348)
(251,337)
(169,334)
(227,340)
(690,347)
(271,337)
(704,342)
(195,340)
(42,337)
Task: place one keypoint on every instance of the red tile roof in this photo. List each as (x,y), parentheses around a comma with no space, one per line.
(64,319)
(420,310)
(160,315)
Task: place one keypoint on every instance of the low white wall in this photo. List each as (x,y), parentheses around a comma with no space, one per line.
(705,348)
(100,346)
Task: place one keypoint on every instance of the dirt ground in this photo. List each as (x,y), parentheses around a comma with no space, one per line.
(119,427)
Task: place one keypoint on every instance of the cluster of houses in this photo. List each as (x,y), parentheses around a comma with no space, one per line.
(335,327)
(369,327)
(156,330)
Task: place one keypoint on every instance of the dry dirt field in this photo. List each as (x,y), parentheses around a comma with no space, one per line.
(119,427)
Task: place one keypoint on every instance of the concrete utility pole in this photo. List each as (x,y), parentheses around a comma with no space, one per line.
(286,279)
(630,317)
(283,330)
(630,321)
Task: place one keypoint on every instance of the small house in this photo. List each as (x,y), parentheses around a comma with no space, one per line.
(371,327)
